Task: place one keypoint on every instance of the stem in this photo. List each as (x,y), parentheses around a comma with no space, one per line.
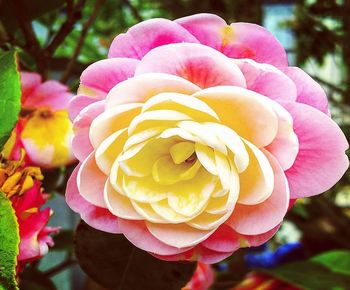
(73,14)
(86,26)
(55,270)
(133,10)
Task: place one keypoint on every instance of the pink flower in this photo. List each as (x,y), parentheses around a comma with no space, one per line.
(194,135)
(44,129)
(22,186)
(202,278)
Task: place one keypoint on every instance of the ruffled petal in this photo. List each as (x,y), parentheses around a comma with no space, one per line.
(321,160)
(101,76)
(81,141)
(91,181)
(142,87)
(309,91)
(96,217)
(262,217)
(197,63)
(144,36)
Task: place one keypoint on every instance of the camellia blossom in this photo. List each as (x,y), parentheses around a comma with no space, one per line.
(23,187)
(194,135)
(202,278)
(44,129)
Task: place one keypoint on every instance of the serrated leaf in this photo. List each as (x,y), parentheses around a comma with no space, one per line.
(9,240)
(338,261)
(10,95)
(112,261)
(310,276)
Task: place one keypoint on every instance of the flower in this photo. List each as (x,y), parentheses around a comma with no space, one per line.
(263,281)
(44,129)
(194,135)
(202,278)
(23,187)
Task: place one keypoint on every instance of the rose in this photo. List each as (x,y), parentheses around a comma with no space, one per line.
(193,136)
(44,129)
(23,187)
(202,278)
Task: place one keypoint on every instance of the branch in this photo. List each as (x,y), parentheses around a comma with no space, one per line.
(55,270)
(73,14)
(133,10)
(86,26)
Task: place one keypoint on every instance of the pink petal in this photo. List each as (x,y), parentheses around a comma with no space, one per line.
(51,94)
(205,27)
(29,82)
(197,63)
(178,235)
(321,160)
(103,75)
(78,103)
(260,218)
(144,36)
(138,234)
(239,40)
(91,181)
(255,42)
(97,217)
(225,239)
(81,142)
(268,80)
(309,91)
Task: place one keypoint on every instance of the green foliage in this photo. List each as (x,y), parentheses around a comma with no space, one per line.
(115,263)
(9,240)
(338,261)
(10,95)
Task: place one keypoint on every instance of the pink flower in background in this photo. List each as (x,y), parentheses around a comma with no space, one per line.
(44,129)
(202,278)
(23,187)
(194,135)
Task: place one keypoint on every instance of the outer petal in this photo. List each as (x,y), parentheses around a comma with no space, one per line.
(140,88)
(268,80)
(309,91)
(51,94)
(239,40)
(178,235)
(101,76)
(207,28)
(81,142)
(260,218)
(97,217)
(197,63)
(91,181)
(78,103)
(321,160)
(29,82)
(225,239)
(144,36)
(138,234)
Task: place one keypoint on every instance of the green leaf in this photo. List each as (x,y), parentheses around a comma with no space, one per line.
(112,261)
(9,241)
(10,95)
(310,276)
(338,261)
(33,9)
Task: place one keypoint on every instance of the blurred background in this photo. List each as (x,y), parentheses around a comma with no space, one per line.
(316,35)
